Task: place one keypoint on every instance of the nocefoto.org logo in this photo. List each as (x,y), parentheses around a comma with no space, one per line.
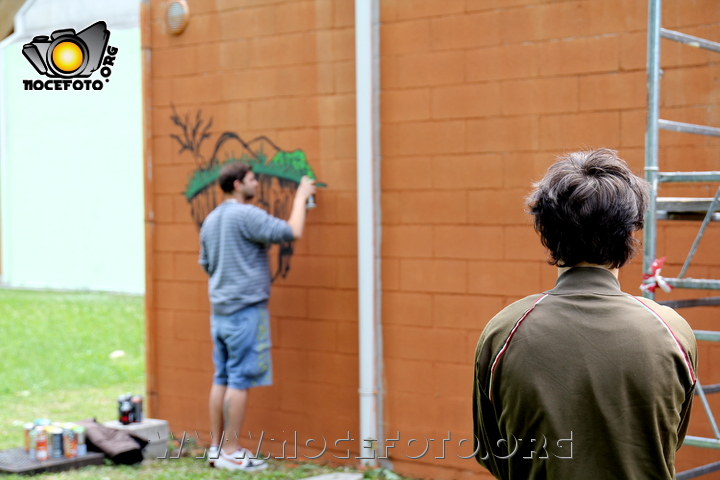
(68,57)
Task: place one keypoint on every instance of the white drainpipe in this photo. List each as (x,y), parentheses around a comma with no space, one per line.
(368,205)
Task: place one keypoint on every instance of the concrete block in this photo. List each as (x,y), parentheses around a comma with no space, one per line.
(153,430)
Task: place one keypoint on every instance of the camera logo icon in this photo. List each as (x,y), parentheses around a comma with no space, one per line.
(67,54)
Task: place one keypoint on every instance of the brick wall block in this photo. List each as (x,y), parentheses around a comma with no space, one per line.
(343,14)
(503,278)
(468,171)
(467,242)
(248,22)
(521,169)
(404,375)
(407,173)
(347,272)
(502,62)
(402,308)
(164,324)
(186,267)
(407,241)
(163,208)
(307,334)
(288,302)
(427,8)
(449,276)
(177,238)
(452,380)
(418,343)
(544,95)
(502,134)
(587,130)
(465,30)
(192,326)
(426,69)
(469,100)
(498,207)
(332,240)
(163,266)
(390,273)
(405,37)
(348,342)
(434,207)
(690,86)
(522,243)
(177,295)
(277,50)
(465,312)
(403,105)
(332,304)
(594,54)
(311,271)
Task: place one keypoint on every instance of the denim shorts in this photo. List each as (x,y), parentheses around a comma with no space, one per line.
(241,347)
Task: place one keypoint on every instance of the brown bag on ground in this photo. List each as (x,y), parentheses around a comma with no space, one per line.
(121,447)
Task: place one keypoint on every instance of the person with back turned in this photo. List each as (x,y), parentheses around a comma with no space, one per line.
(234,242)
(584,381)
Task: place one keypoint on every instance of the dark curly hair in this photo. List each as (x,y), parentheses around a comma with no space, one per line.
(231,172)
(587,207)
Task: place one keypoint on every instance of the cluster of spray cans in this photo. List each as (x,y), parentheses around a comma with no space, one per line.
(130,409)
(45,440)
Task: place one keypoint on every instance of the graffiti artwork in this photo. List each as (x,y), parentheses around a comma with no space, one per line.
(278,172)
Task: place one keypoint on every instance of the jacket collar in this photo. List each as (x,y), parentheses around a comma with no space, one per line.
(580,280)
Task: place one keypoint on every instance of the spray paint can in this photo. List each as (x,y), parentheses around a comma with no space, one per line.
(69,441)
(137,404)
(56,433)
(121,400)
(126,413)
(80,440)
(41,448)
(28,427)
(32,450)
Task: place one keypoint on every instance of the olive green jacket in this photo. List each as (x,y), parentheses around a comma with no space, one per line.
(583,382)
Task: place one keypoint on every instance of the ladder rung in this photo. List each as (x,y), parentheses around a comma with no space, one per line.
(707,389)
(696,42)
(701,442)
(691,216)
(692,302)
(684,204)
(688,128)
(696,283)
(688,176)
(698,471)
(708,336)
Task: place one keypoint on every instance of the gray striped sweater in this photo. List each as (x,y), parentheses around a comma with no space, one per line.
(234,243)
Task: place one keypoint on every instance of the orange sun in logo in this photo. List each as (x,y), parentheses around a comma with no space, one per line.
(67,56)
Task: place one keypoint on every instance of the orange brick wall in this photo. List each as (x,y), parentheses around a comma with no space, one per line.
(283,69)
(477,98)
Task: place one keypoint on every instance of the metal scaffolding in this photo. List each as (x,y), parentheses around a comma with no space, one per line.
(678,208)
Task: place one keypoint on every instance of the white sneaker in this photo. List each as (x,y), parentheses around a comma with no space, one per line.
(212,455)
(240,460)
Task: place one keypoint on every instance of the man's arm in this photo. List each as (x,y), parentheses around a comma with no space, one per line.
(261,227)
(297,215)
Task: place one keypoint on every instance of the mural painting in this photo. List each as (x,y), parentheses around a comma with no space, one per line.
(278,172)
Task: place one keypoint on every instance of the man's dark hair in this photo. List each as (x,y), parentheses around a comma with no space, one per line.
(587,207)
(231,172)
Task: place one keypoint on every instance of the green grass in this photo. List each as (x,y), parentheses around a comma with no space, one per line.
(193,469)
(60,340)
(55,356)
(55,364)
